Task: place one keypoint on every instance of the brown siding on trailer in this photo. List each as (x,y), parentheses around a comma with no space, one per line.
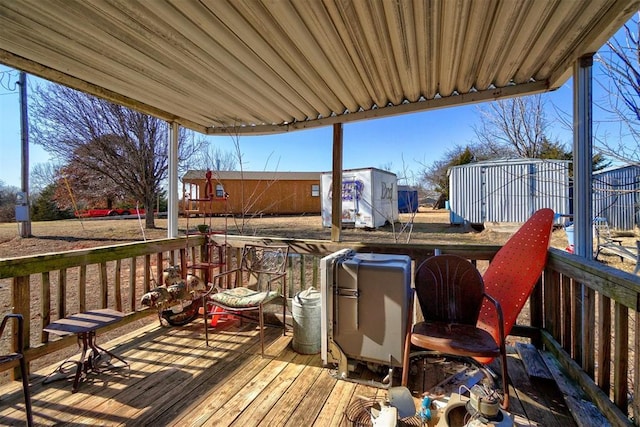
(259,196)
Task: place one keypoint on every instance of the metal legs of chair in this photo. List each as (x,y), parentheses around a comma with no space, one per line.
(19,355)
(26,391)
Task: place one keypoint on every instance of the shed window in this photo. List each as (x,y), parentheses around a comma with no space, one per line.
(219,190)
(315,190)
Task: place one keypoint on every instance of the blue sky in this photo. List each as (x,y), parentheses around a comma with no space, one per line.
(406,142)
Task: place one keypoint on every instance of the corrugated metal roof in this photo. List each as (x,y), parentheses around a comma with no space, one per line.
(249,66)
(192,175)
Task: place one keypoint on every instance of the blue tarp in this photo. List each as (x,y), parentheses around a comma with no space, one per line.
(407,201)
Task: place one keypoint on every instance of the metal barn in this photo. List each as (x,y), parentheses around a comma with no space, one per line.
(507,190)
(616,196)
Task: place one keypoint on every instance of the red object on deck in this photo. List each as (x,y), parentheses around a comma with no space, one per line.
(514,271)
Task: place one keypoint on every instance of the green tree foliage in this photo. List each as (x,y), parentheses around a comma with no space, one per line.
(435,175)
(45,208)
(7,202)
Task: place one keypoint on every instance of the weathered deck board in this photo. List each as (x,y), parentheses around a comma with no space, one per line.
(540,399)
(177,380)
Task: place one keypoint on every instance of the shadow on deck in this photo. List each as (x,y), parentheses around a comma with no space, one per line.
(176,380)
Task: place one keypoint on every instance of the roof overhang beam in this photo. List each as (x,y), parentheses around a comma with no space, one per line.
(394,110)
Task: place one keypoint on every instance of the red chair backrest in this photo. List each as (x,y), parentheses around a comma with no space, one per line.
(449,289)
(515,270)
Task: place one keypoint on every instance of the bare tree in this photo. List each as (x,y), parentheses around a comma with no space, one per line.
(127,148)
(620,62)
(42,175)
(214,158)
(514,127)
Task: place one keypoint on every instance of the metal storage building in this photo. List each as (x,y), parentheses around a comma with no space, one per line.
(616,196)
(507,190)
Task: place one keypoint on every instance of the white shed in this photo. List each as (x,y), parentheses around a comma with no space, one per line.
(369,197)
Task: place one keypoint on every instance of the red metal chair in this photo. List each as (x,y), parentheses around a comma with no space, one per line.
(450,292)
(508,281)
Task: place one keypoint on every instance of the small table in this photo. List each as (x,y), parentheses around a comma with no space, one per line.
(93,358)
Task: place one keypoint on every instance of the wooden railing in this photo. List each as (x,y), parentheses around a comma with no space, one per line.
(582,312)
(48,287)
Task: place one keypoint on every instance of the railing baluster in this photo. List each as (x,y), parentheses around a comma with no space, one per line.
(45,305)
(104,286)
(636,369)
(159,267)
(566,314)
(147,274)
(535,306)
(604,344)
(117,284)
(552,302)
(589,331)
(576,345)
(302,272)
(82,288)
(62,293)
(132,283)
(621,357)
(315,281)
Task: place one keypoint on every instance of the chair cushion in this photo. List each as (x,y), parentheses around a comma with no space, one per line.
(242,297)
(454,338)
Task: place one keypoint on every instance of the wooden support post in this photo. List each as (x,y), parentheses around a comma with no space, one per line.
(336,185)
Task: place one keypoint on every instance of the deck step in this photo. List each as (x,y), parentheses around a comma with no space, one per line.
(584,412)
(533,363)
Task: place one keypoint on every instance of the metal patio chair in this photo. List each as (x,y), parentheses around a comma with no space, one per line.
(451,292)
(509,280)
(253,285)
(19,355)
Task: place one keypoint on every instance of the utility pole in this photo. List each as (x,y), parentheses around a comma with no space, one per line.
(22,199)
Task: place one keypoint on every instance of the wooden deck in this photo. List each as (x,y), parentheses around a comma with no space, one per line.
(176,380)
